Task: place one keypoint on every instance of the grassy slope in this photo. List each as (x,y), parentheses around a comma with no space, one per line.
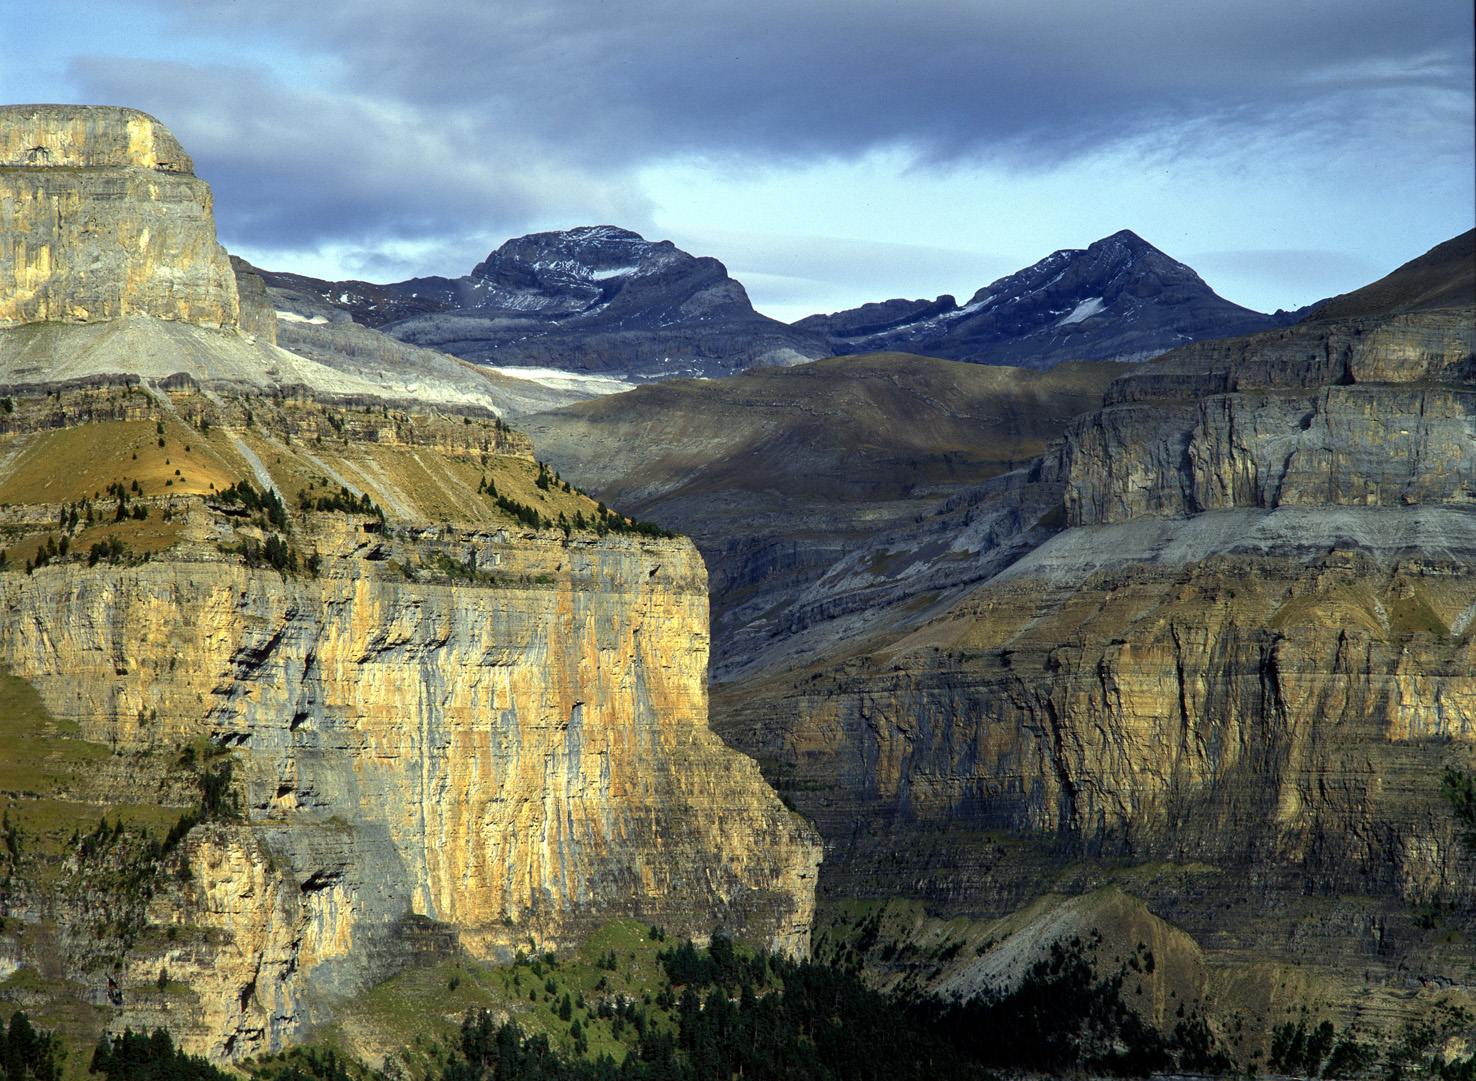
(1445,276)
(420,470)
(849,428)
(405,1018)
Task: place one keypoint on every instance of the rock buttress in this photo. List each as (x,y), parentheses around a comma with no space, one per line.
(101,216)
(516,763)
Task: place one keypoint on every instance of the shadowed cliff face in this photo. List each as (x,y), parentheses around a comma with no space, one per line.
(1230,684)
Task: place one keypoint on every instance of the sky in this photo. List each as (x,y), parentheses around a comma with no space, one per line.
(829,152)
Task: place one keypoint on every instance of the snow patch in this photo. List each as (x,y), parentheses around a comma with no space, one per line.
(1085,310)
(293,317)
(971,308)
(558,379)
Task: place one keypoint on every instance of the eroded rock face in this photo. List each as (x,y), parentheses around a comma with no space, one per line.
(1237,712)
(509,765)
(101,216)
(1231,684)
(87,137)
(1377,412)
(1328,446)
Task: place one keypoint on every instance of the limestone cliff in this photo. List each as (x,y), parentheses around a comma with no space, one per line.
(518,762)
(1230,684)
(105,218)
(106,233)
(322,690)
(1363,413)
(509,755)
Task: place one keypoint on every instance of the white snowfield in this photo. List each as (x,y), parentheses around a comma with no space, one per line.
(596,385)
(1085,310)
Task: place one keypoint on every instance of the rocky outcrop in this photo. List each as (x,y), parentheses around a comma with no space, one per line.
(1328,446)
(110,270)
(1374,411)
(423,728)
(258,313)
(87,137)
(103,218)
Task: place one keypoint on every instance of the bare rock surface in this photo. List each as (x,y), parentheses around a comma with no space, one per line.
(1214,648)
(104,217)
(448,703)
(1117,299)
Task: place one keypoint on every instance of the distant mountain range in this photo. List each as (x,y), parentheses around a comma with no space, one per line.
(603,299)
(1119,299)
(594,299)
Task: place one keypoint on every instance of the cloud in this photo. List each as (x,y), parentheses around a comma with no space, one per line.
(301,168)
(617,83)
(373,133)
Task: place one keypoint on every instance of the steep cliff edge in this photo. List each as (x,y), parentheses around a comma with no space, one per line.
(313,692)
(105,218)
(1229,685)
(110,271)
(496,731)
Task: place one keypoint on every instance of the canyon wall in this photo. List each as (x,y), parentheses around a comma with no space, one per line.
(469,712)
(514,763)
(1230,685)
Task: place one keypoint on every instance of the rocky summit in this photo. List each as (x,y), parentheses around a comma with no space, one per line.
(596,299)
(1118,299)
(299,692)
(105,218)
(110,270)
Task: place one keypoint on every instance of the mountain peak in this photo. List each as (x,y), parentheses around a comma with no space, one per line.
(601,298)
(1120,298)
(560,260)
(595,232)
(1123,236)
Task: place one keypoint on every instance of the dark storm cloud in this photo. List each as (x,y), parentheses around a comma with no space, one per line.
(622,81)
(425,115)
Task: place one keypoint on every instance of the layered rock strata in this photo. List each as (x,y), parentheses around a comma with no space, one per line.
(516,762)
(1230,684)
(443,733)
(105,218)
(105,233)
